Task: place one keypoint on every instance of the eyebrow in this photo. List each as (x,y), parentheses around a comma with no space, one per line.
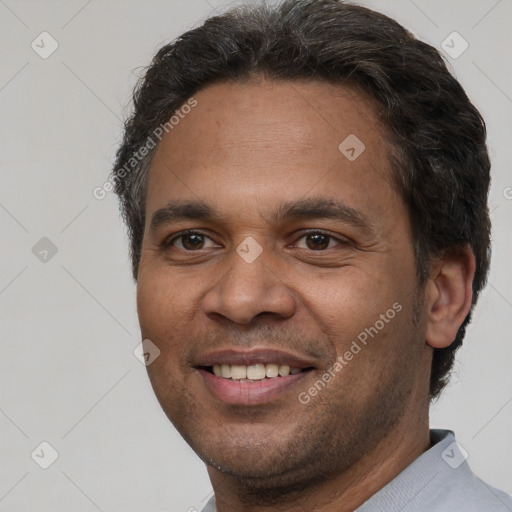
(311,208)
(322,208)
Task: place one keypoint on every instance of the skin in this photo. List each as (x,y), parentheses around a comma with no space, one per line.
(244,150)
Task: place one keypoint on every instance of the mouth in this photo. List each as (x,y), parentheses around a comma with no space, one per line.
(252,377)
(254,372)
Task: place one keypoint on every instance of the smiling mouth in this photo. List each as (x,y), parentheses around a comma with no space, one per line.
(255,372)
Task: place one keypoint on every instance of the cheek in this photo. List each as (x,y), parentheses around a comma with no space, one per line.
(163,302)
(150,307)
(168,316)
(365,314)
(161,309)
(351,299)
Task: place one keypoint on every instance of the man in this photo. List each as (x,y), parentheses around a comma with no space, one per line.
(305,187)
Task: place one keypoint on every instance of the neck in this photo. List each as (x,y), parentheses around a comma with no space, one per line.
(347,491)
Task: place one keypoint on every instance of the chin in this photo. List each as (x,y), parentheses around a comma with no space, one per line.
(266,479)
(245,455)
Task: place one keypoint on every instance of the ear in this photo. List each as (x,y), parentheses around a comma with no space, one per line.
(449,293)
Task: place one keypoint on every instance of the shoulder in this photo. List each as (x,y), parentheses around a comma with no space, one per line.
(464,491)
(458,488)
(440,480)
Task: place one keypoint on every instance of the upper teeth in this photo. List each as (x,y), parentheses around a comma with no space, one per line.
(254,371)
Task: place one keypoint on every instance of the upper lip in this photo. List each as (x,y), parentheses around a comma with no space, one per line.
(252,356)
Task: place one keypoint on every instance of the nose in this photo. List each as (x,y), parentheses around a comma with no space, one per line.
(249,289)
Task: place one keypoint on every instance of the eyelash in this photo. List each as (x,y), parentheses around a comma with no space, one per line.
(168,242)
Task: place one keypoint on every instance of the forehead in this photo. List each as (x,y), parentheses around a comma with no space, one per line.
(283,139)
(303,114)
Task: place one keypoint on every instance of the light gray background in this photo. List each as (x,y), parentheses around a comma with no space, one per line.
(68,375)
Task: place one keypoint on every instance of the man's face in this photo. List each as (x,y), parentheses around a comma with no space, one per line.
(297,247)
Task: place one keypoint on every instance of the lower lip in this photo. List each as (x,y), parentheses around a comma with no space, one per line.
(250,393)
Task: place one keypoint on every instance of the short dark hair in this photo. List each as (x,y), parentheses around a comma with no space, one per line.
(440,160)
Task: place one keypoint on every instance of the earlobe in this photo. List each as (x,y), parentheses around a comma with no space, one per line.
(449,293)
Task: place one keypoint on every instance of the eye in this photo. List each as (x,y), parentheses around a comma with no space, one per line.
(318,241)
(195,241)
(189,241)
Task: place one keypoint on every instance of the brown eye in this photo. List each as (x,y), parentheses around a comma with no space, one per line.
(191,241)
(317,241)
